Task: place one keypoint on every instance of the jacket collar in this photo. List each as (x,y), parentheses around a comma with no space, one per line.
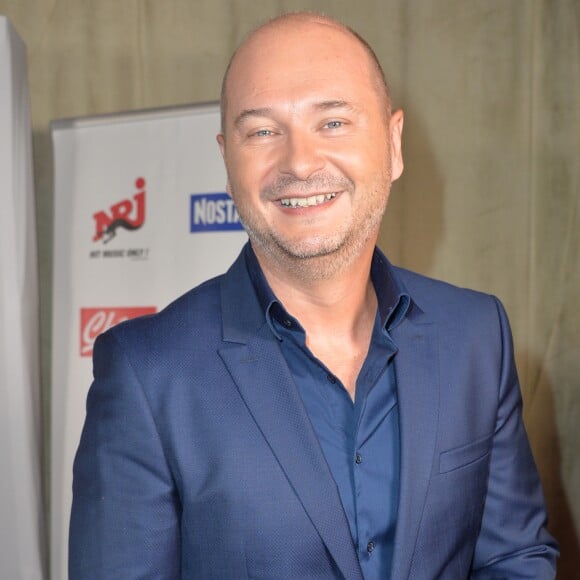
(257,366)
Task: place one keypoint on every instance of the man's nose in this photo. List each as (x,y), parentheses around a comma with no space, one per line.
(302,155)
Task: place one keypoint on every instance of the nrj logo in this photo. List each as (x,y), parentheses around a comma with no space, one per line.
(128,214)
(95,321)
(212,212)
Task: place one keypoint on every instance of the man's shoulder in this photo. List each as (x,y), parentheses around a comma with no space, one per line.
(196,311)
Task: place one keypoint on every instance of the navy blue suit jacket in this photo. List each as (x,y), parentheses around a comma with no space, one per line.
(198,460)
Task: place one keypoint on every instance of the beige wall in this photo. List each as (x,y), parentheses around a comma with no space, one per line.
(491,194)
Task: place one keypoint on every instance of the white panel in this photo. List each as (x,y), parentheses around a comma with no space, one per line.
(137,170)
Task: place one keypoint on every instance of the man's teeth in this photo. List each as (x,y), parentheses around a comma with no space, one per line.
(307,201)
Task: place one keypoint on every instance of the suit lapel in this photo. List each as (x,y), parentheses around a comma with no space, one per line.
(258,368)
(417,370)
(265,384)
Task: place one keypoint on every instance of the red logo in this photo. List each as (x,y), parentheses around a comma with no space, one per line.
(127,214)
(95,321)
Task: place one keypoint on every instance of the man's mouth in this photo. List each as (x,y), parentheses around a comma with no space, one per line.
(307,201)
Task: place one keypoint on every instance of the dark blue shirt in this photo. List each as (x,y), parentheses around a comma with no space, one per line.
(360,440)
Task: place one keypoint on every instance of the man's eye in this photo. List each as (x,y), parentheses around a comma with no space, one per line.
(334,124)
(263,133)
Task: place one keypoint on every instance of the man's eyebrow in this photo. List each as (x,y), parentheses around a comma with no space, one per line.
(334,104)
(248,113)
(268,111)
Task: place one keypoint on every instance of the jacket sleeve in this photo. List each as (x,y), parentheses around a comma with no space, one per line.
(125,521)
(513,541)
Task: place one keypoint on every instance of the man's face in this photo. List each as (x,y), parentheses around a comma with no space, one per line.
(308,147)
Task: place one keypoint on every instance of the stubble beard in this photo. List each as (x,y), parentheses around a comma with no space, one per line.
(324,256)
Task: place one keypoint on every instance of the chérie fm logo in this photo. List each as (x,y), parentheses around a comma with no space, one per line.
(95,321)
(128,214)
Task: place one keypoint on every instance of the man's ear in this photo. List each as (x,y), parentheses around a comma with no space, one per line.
(395,134)
(222,143)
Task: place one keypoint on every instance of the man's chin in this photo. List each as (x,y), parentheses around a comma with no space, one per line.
(310,249)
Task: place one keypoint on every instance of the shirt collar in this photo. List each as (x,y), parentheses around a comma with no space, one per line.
(393,299)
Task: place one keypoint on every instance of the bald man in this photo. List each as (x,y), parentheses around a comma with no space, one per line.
(315,412)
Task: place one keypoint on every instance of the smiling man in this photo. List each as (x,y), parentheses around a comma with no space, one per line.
(315,412)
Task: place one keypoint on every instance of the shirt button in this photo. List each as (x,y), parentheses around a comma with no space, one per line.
(358,458)
(370,547)
(331,379)
(287,323)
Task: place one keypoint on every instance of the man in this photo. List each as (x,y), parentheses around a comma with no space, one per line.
(315,412)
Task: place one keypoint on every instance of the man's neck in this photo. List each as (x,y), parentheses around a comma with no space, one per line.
(329,302)
(336,312)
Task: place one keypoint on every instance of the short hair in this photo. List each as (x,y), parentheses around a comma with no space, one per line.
(380,77)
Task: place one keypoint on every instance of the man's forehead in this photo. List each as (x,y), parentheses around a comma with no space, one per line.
(301,47)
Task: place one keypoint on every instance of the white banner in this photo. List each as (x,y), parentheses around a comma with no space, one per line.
(141,216)
(21,520)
